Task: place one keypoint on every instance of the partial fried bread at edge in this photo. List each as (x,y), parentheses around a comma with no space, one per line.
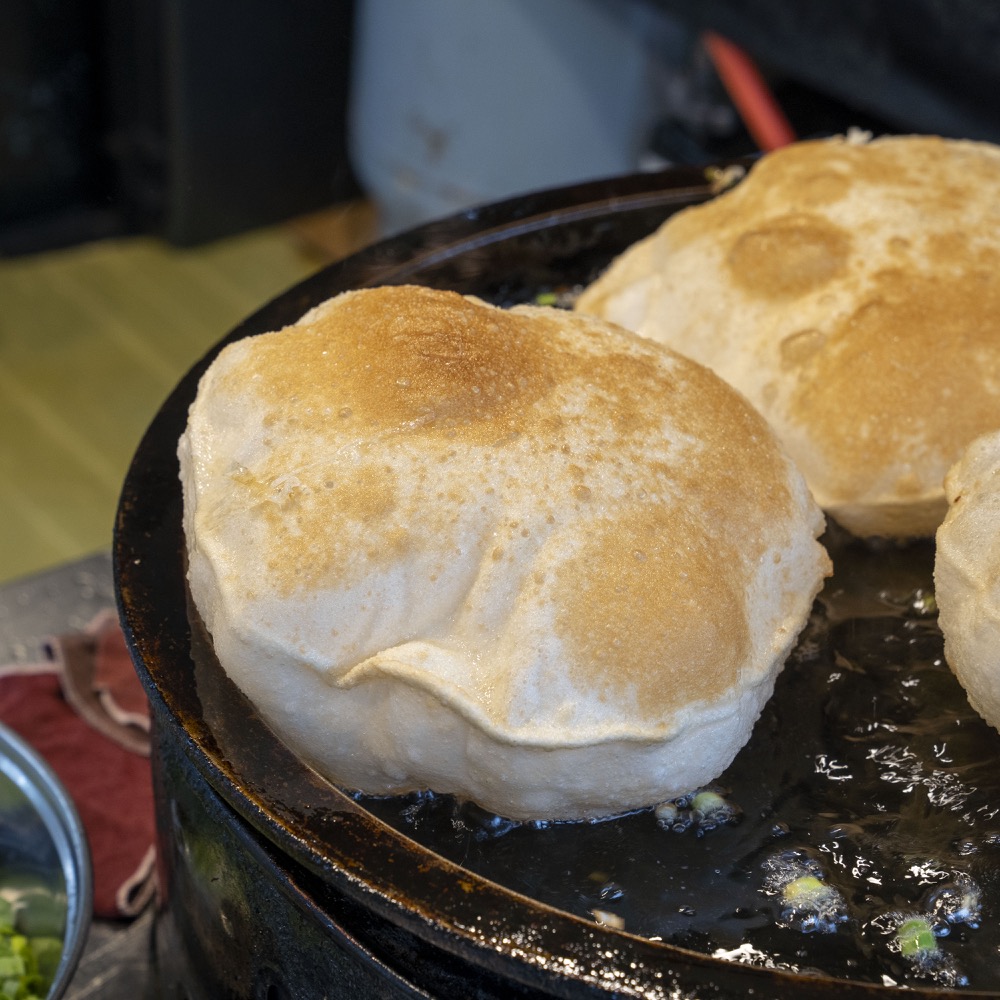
(851,290)
(967,575)
(520,556)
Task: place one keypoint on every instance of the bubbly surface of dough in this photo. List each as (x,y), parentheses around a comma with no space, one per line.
(967,575)
(851,290)
(522,556)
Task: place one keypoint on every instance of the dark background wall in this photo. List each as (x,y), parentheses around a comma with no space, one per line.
(182,117)
(196,119)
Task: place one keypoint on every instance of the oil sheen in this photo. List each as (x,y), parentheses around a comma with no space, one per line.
(857,834)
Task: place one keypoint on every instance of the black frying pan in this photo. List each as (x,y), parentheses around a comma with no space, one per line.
(461,899)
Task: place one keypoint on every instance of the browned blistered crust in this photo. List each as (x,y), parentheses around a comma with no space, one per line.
(852,290)
(411,380)
(918,357)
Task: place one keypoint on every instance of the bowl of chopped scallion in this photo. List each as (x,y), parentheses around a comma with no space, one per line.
(45,877)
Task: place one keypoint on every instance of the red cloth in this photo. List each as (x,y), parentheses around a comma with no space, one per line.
(85,712)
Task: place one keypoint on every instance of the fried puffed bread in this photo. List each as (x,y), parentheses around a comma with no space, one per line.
(520,556)
(851,290)
(967,575)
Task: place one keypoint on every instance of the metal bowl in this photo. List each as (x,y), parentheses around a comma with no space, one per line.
(52,816)
(276,884)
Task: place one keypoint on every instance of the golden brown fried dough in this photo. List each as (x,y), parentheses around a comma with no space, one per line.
(851,290)
(967,575)
(521,556)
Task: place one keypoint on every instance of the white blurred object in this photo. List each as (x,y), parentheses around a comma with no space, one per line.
(459,102)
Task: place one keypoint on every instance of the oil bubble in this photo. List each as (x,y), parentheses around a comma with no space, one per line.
(912,936)
(956,902)
(610,891)
(702,810)
(808,902)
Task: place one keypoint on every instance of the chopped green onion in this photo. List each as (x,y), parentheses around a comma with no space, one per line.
(916,938)
(805,890)
(708,802)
